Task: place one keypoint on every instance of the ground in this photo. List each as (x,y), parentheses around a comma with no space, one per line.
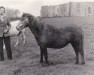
(26,57)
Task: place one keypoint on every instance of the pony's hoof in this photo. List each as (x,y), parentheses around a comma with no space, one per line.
(2,59)
(77,63)
(45,65)
(24,43)
(16,45)
(82,63)
(41,61)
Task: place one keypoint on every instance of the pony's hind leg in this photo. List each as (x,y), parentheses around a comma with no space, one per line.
(75,47)
(78,48)
(81,49)
(82,56)
(81,52)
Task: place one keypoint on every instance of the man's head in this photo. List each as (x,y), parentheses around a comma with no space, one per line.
(2,10)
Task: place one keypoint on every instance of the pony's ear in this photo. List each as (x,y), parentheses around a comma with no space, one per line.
(23,14)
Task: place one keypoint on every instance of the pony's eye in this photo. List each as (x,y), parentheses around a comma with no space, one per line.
(21,19)
(21,23)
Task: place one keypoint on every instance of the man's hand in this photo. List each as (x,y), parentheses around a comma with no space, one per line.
(5,31)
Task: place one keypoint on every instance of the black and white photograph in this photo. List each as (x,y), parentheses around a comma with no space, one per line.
(46,37)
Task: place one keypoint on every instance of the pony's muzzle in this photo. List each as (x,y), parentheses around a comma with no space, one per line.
(18,28)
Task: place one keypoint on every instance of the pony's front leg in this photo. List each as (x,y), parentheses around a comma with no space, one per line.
(4,46)
(24,41)
(17,42)
(41,55)
(43,52)
(46,56)
(23,35)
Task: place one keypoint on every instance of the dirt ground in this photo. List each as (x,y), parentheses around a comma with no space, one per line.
(26,57)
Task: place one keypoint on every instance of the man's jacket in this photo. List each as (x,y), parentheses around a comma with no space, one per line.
(4,25)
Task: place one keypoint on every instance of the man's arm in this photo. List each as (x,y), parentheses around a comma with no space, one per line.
(9,25)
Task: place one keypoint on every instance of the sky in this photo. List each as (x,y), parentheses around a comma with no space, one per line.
(33,6)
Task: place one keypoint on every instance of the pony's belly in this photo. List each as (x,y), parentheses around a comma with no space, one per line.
(57,45)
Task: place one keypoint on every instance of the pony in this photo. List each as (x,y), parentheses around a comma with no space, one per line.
(49,36)
(13,32)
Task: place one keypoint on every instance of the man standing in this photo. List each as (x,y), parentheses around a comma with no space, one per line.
(4,36)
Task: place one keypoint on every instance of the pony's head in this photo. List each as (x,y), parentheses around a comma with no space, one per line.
(25,21)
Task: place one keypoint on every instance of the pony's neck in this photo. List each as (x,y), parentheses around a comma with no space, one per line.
(36,27)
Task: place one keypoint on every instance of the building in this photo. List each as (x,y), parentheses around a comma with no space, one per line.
(64,9)
(44,11)
(51,11)
(56,10)
(68,9)
(82,9)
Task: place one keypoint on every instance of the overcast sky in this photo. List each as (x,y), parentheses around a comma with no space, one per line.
(34,6)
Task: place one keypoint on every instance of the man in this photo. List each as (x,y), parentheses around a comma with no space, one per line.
(4,36)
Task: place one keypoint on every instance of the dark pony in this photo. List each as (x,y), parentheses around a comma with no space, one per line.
(48,36)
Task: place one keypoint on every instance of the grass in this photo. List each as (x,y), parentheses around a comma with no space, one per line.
(26,57)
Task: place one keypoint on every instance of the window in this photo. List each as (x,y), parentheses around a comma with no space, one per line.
(89,10)
(78,7)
